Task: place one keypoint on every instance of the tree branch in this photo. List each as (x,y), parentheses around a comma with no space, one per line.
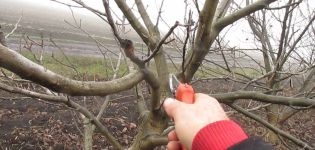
(223,22)
(155,140)
(158,47)
(29,70)
(87,7)
(271,127)
(140,29)
(289,101)
(141,105)
(144,15)
(222,9)
(285,6)
(15,27)
(204,38)
(129,50)
(297,41)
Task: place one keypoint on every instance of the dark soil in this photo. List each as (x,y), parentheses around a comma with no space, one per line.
(30,124)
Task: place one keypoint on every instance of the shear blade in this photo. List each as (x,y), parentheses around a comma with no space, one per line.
(174,82)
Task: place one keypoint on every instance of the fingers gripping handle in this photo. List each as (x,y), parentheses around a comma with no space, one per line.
(185,93)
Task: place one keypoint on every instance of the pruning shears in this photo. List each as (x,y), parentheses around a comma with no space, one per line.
(182,91)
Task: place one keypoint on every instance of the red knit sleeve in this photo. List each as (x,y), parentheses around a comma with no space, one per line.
(218,136)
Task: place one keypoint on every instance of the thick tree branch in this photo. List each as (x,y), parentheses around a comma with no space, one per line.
(203,40)
(289,101)
(133,20)
(155,140)
(27,69)
(69,103)
(222,8)
(154,83)
(129,50)
(223,22)
(141,105)
(145,17)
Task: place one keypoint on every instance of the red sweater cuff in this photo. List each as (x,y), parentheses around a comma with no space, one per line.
(219,135)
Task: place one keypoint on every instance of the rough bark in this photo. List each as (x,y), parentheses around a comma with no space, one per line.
(29,70)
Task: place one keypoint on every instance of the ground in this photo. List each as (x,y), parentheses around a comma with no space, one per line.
(30,124)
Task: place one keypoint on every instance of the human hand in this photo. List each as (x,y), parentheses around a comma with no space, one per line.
(190,118)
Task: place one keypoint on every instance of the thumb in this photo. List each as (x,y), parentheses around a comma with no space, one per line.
(170,105)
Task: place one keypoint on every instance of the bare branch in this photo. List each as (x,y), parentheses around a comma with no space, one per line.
(145,17)
(289,101)
(108,97)
(89,8)
(258,78)
(222,9)
(285,6)
(159,14)
(299,38)
(225,21)
(162,41)
(126,44)
(140,29)
(196,5)
(27,69)
(271,127)
(203,40)
(283,33)
(185,44)
(155,140)
(141,105)
(69,5)
(83,5)
(15,27)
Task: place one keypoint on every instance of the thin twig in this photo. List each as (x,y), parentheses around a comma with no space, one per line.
(271,127)
(285,6)
(15,27)
(158,47)
(159,14)
(185,43)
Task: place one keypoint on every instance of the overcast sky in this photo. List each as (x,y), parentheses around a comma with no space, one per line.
(173,10)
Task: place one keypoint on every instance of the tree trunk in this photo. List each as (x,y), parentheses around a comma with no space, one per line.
(88,134)
(273,118)
(149,126)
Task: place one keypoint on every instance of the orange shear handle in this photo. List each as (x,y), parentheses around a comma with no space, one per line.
(185,93)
